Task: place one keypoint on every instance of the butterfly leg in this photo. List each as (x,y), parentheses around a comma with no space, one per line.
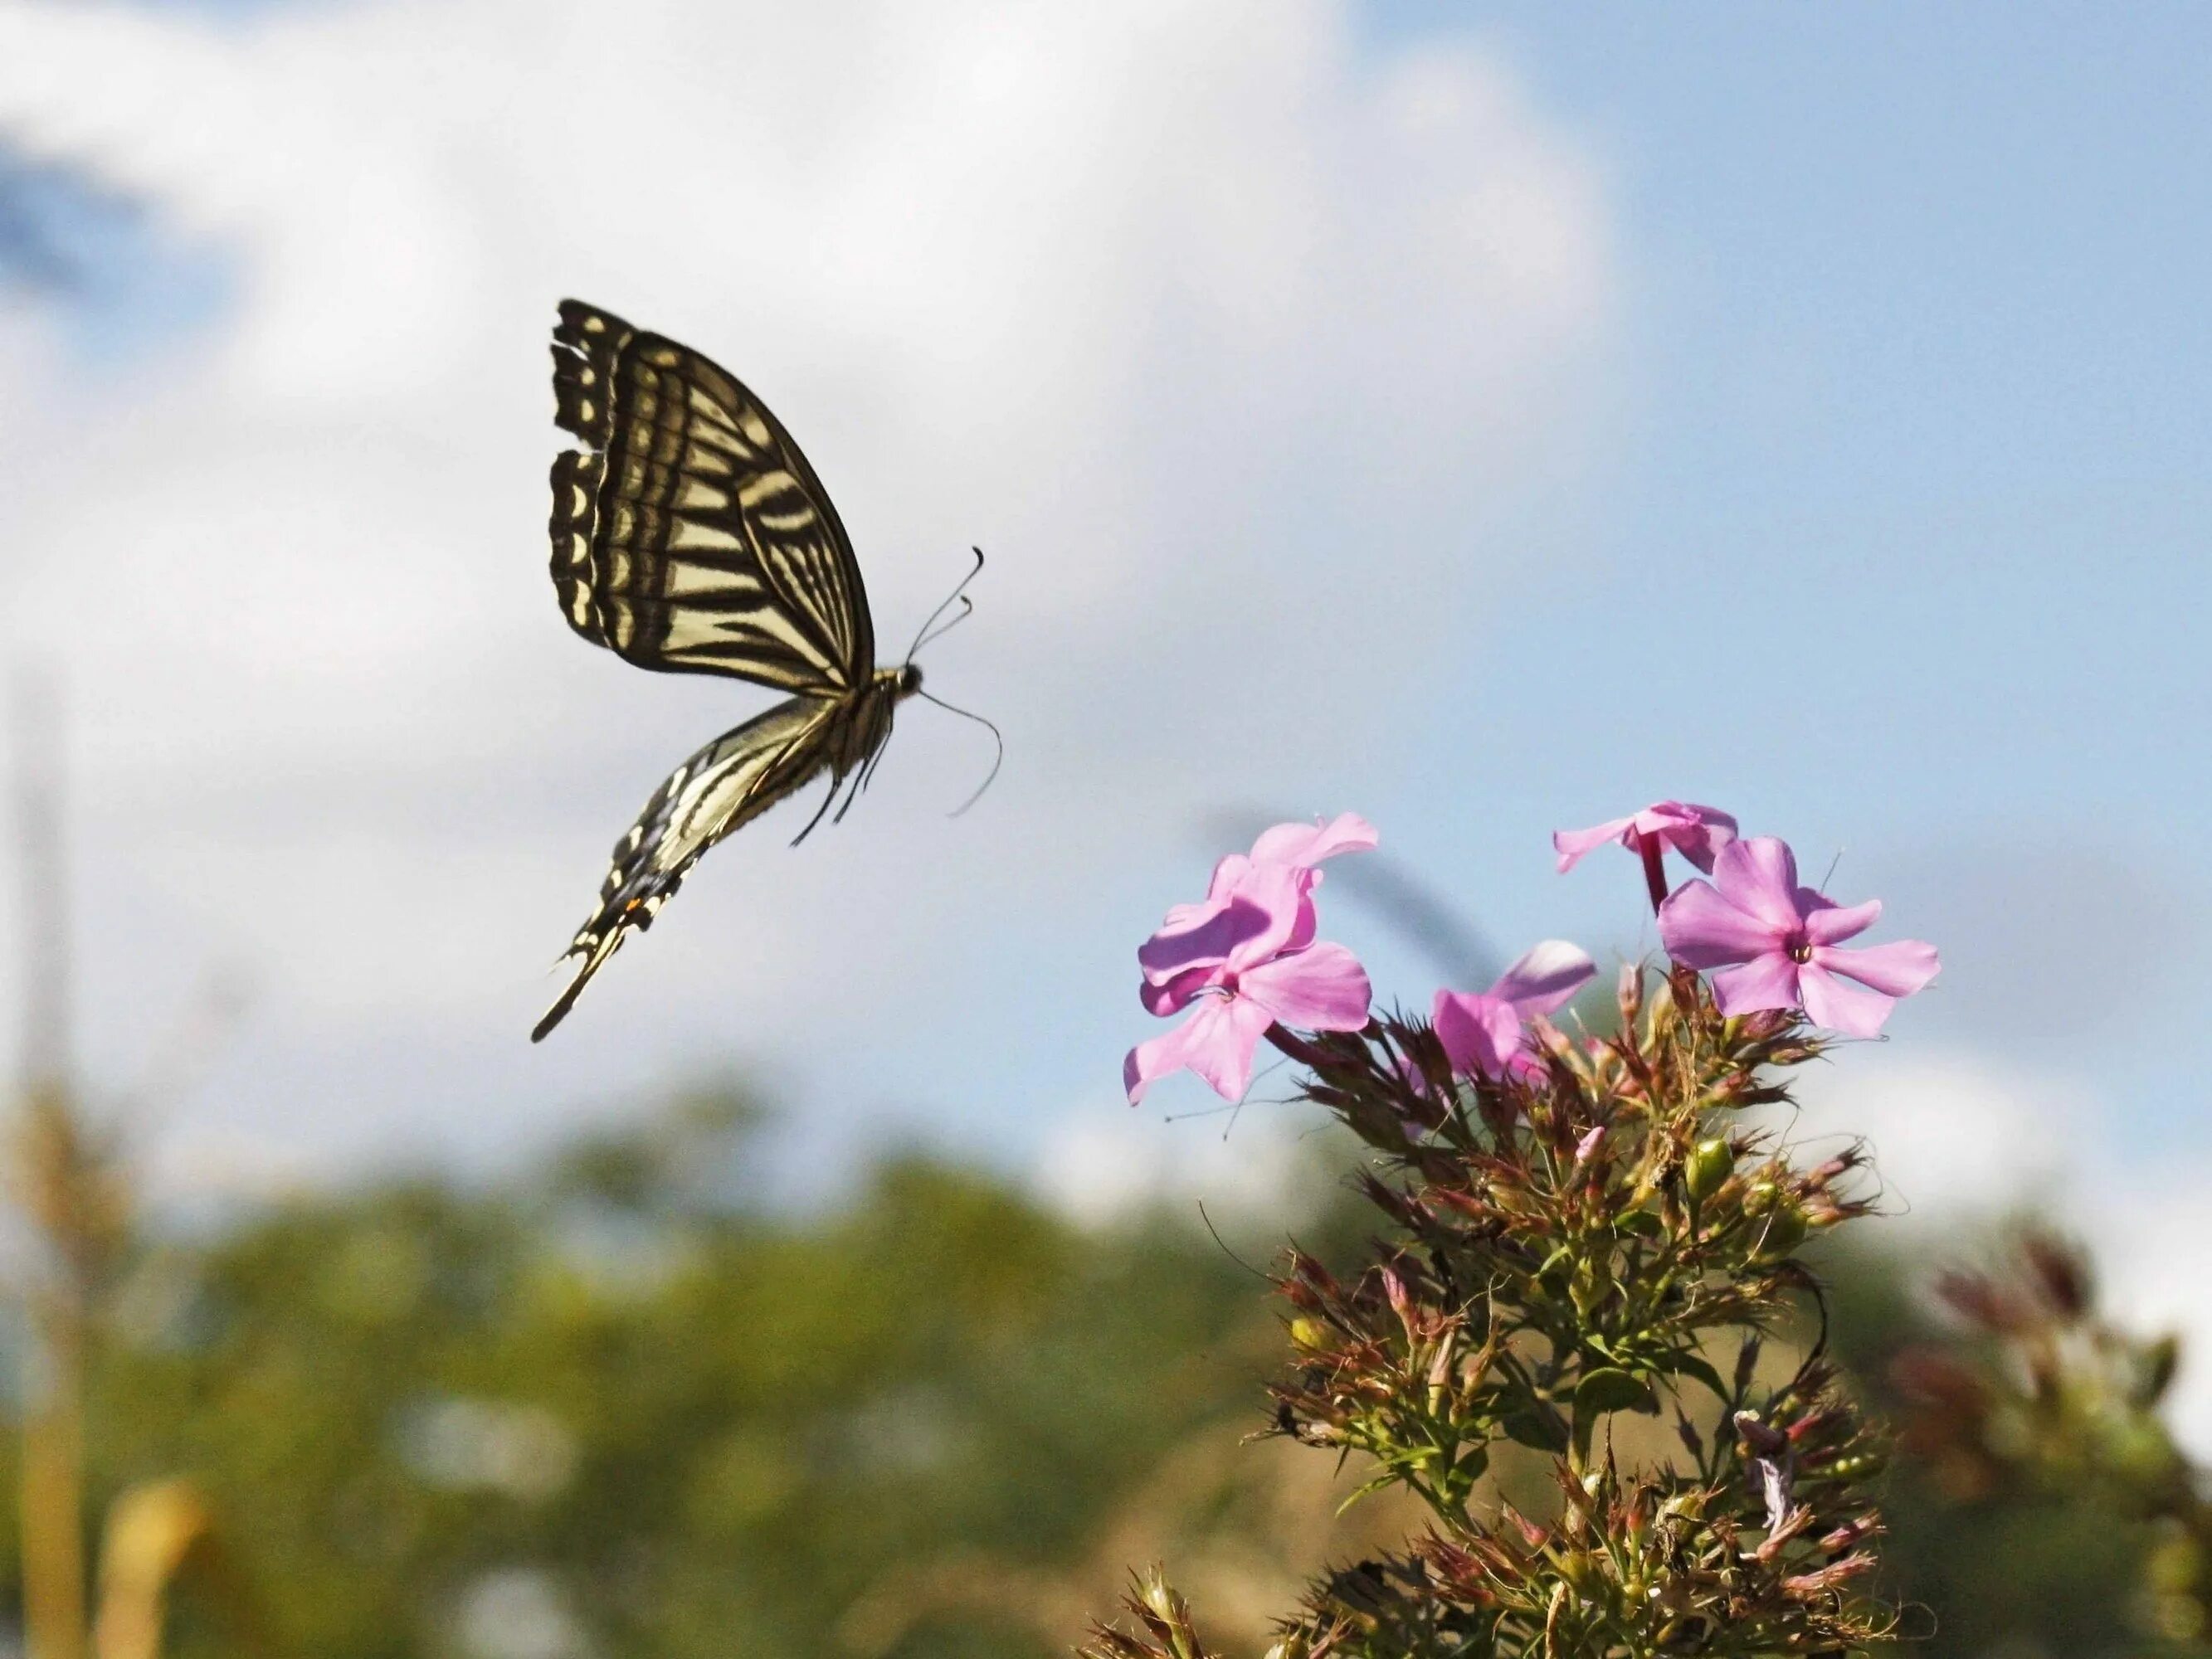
(820,811)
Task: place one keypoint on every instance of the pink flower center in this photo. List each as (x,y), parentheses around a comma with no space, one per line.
(1228,984)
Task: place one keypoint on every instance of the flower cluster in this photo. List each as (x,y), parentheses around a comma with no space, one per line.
(1584,1231)
(1246,961)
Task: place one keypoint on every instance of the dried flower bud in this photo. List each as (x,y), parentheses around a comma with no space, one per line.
(1976,1298)
(2061,1273)
(1393,1288)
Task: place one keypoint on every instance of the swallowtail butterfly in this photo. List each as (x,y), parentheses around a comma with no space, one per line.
(690,536)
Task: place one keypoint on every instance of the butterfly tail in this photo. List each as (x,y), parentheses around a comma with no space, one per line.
(594,958)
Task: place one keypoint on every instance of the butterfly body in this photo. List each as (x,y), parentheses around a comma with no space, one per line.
(690,536)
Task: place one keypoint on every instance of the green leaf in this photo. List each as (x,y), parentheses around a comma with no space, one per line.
(1689,1364)
(1606,1390)
(1539,1428)
(1367,1488)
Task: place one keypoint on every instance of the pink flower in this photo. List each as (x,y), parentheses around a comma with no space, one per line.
(1487,1033)
(1197,938)
(1773,943)
(1268,969)
(1697,833)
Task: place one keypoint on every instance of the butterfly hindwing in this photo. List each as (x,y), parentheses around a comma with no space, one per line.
(691,535)
(726,785)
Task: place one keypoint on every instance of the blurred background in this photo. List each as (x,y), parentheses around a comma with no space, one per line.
(1488,419)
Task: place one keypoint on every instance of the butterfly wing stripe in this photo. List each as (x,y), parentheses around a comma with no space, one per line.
(631,572)
(702,534)
(723,786)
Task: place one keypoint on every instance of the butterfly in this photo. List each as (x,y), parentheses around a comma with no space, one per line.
(690,536)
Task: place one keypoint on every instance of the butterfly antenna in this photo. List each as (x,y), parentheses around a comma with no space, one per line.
(967,609)
(996,737)
(922,634)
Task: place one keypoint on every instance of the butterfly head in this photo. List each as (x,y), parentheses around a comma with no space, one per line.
(902,683)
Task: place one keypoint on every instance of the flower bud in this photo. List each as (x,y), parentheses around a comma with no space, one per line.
(1784,1232)
(1709,1163)
(2061,1274)
(1161,1598)
(2155,1367)
(1577,1569)
(1629,995)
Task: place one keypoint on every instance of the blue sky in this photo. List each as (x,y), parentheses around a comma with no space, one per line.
(1912,451)
(1876,512)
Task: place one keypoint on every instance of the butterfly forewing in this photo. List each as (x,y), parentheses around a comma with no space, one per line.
(726,785)
(692,535)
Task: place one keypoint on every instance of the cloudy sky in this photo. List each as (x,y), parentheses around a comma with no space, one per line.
(1480,419)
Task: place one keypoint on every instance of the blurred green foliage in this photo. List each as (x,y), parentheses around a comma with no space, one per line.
(2010,1574)
(621,1406)
(618,1408)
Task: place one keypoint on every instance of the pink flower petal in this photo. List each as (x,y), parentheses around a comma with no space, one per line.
(1545,979)
(1748,988)
(1480,1035)
(1163,1055)
(1280,891)
(1228,871)
(1265,911)
(1574,845)
(1828,923)
(1702,929)
(1308,844)
(1701,843)
(1663,818)
(1697,833)
(1191,934)
(1321,989)
(1306,920)
(1841,1005)
(1216,1042)
(1176,993)
(1760,877)
(1199,936)
(1895,970)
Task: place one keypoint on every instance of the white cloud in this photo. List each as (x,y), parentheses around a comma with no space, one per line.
(1961,1141)
(1104,1162)
(1225,334)
(1954,1137)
